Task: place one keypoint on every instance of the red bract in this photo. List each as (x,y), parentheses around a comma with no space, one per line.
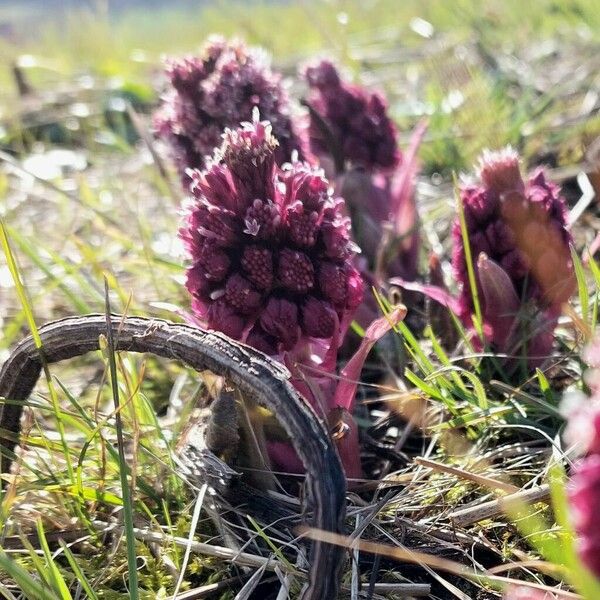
(217,89)
(358,128)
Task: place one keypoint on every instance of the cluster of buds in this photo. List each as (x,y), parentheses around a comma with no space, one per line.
(356,140)
(270,248)
(517,234)
(358,129)
(519,243)
(519,225)
(583,436)
(219,89)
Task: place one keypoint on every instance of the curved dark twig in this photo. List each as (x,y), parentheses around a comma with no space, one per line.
(255,374)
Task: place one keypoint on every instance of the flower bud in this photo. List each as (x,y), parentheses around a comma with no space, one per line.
(218,89)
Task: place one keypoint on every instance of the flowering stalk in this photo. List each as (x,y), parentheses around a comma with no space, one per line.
(517,234)
(353,136)
(584,495)
(217,89)
(358,125)
(272,265)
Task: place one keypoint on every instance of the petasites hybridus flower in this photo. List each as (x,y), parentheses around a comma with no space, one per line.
(519,244)
(270,248)
(357,143)
(349,122)
(217,89)
(273,265)
(517,234)
(521,226)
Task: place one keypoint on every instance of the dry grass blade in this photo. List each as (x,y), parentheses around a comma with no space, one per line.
(428,560)
(474,477)
(488,510)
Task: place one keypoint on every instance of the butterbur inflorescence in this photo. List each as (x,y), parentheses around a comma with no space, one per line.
(272,264)
(357,141)
(270,248)
(519,243)
(519,225)
(356,119)
(584,499)
(219,89)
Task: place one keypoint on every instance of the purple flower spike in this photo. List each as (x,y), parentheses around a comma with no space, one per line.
(519,225)
(582,434)
(272,265)
(518,238)
(270,248)
(356,119)
(219,89)
(520,228)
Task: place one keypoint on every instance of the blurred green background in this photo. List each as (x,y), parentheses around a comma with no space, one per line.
(486,73)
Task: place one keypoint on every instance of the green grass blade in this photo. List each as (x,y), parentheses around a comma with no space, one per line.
(26,305)
(79,574)
(32,589)
(125,489)
(32,251)
(582,289)
(469,260)
(58,581)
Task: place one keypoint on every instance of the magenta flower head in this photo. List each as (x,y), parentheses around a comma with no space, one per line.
(219,89)
(520,248)
(522,264)
(272,258)
(349,122)
(519,225)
